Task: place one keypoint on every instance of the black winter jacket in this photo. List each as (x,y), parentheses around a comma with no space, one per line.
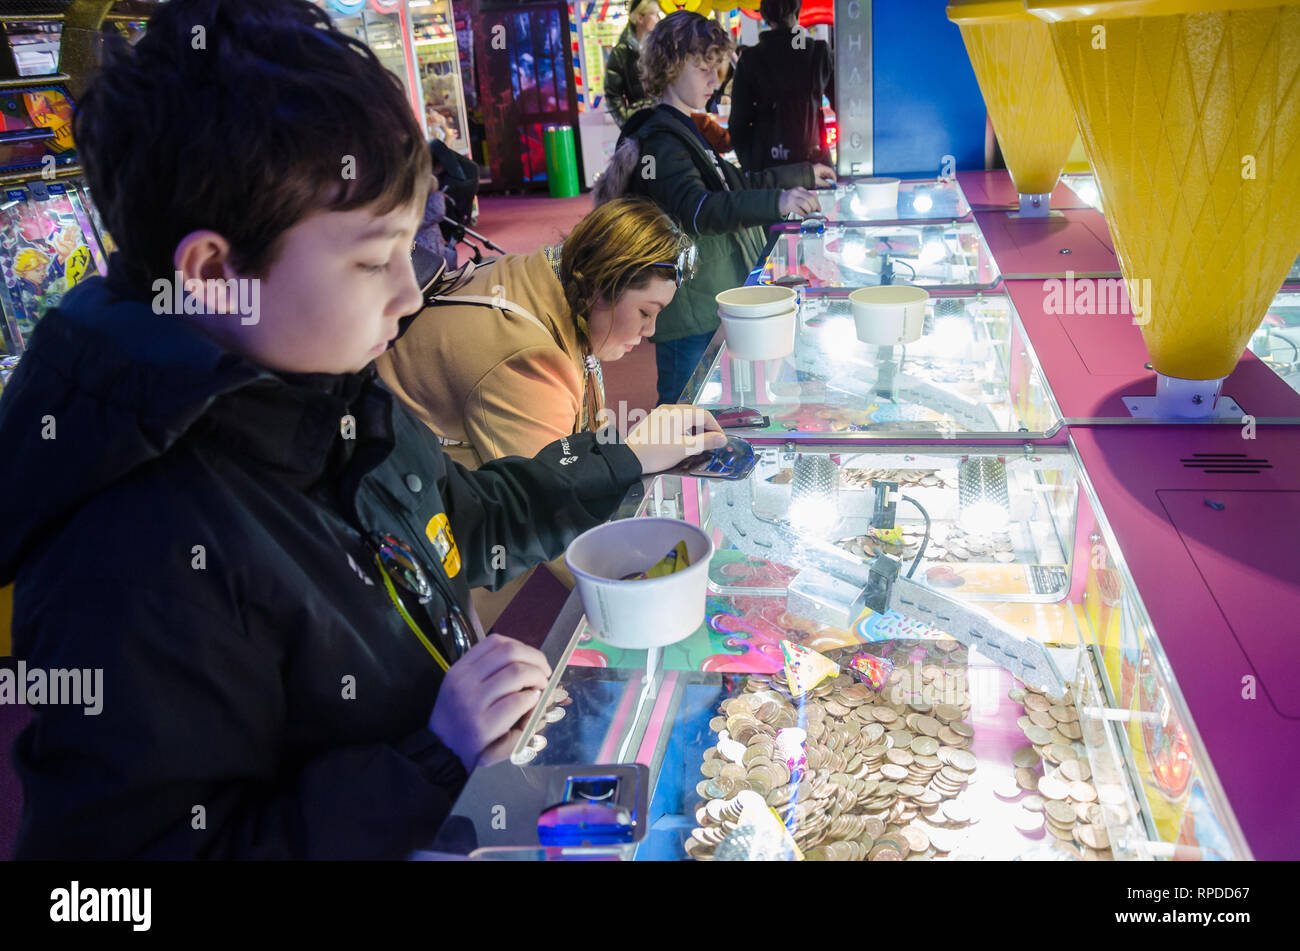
(624,94)
(776,101)
(194,528)
(724,209)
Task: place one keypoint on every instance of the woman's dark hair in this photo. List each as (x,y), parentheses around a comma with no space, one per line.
(778,12)
(243,117)
(671,44)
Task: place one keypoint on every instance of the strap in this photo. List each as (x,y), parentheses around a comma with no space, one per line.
(498,302)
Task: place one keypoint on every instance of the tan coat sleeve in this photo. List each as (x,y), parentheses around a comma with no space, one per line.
(525,402)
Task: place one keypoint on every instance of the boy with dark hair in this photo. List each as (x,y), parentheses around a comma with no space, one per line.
(226,516)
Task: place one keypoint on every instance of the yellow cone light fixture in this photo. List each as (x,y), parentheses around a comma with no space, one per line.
(1190,115)
(1015,63)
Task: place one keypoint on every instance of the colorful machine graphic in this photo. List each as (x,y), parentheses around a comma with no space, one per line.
(46,248)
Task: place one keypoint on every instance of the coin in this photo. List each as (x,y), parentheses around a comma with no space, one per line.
(1061,812)
(538,742)
(1033,803)
(1025,757)
(1093,836)
(928,725)
(963,761)
(1005,557)
(1082,792)
(1051,788)
(891,771)
(1037,735)
(924,746)
(899,756)
(1071,731)
(1036,701)
(1042,718)
(1016,695)
(1026,779)
(884,714)
(947,712)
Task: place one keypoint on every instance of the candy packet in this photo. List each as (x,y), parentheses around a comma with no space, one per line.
(674,561)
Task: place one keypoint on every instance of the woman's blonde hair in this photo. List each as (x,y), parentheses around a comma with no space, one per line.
(615,249)
(671,44)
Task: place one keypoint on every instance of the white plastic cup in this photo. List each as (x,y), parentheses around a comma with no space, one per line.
(760,338)
(639,615)
(888,315)
(877,192)
(756,300)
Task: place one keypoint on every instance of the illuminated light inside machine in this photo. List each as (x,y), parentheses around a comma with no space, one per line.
(933,248)
(854,252)
(952,338)
(921,201)
(983,501)
(839,338)
(813,505)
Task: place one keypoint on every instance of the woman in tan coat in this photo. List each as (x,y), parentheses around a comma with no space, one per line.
(512,360)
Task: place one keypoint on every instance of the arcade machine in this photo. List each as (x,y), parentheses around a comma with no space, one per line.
(594,29)
(50,237)
(1001,588)
(437,62)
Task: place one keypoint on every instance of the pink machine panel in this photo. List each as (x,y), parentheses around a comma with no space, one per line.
(1092,361)
(1206,521)
(985,191)
(1076,240)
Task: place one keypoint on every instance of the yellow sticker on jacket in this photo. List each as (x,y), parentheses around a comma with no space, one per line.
(439,534)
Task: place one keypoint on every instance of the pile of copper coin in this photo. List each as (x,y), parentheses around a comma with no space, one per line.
(884,772)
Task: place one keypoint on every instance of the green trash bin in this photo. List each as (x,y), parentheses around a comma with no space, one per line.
(561,161)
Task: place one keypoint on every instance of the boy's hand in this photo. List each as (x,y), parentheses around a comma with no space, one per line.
(485,694)
(672,433)
(824,174)
(798,203)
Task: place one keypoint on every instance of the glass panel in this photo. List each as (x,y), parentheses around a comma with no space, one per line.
(438,64)
(952,757)
(44,251)
(383,34)
(932,199)
(35,47)
(1277,341)
(952,254)
(971,372)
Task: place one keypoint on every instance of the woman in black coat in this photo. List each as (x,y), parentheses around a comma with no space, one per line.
(776,99)
(623,92)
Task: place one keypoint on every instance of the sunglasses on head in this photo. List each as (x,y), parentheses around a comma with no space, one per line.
(683,267)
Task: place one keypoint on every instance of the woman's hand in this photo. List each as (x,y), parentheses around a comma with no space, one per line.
(798,203)
(486,696)
(672,433)
(824,174)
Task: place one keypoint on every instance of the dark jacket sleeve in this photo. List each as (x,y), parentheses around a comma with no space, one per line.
(185,758)
(783,176)
(513,513)
(677,186)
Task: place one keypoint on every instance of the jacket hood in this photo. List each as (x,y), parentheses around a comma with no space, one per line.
(108,386)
